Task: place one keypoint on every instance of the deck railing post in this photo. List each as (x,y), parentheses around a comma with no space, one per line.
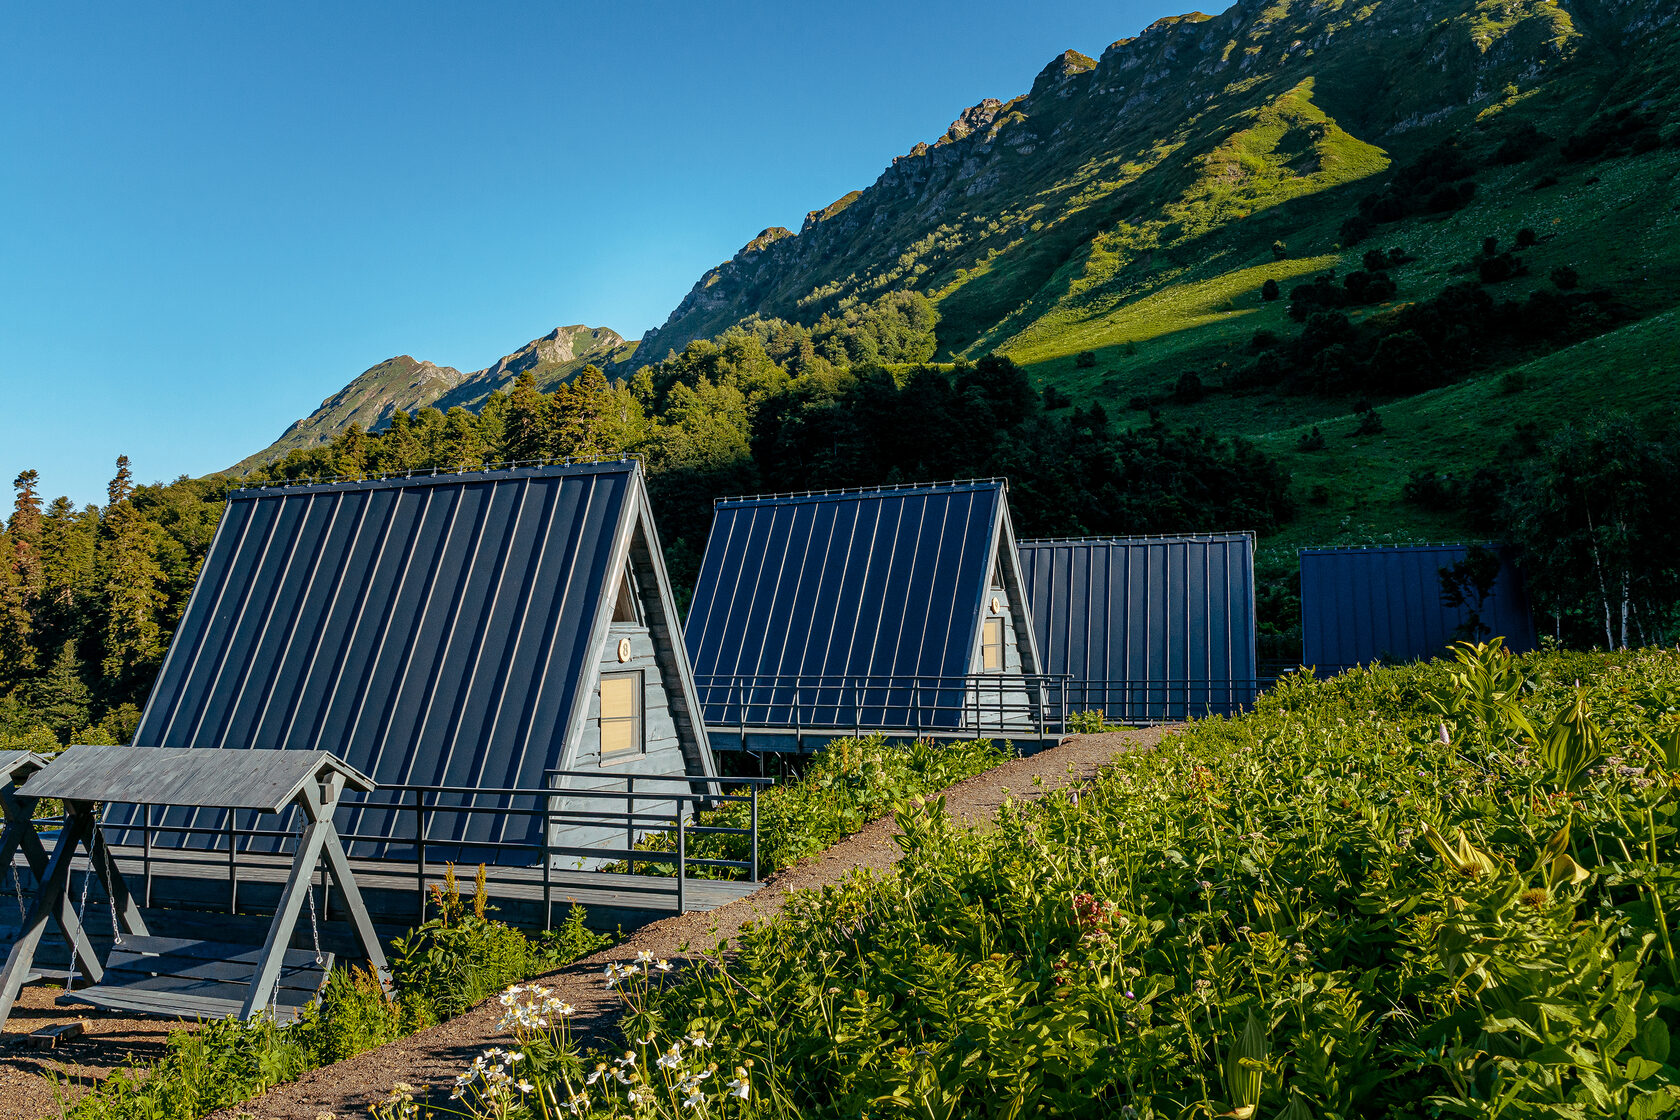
(682,858)
(755,832)
(630,818)
(146,855)
(547,872)
(233,869)
(420,851)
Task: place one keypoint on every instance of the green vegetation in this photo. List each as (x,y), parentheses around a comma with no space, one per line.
(439,970)
(842,787)
(88,600)
(745,413)
(460,956)
(1445,889)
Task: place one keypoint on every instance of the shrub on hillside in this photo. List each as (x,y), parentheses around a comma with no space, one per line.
(1624,132)
(1522,144)
(1188,388)
(1498,268)
(1085,359)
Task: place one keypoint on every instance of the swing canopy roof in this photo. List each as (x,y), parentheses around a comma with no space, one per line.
(264,780)
(17,765)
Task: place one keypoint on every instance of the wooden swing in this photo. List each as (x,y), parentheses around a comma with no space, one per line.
(189,978)
(18,838)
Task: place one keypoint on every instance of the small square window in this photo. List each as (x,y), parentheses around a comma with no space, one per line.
(621,715)
(991,645)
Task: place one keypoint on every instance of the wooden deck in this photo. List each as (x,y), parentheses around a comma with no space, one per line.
(192,891)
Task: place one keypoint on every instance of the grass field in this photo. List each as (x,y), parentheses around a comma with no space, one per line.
(1616,222)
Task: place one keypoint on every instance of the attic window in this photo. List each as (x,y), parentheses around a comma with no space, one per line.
(624,604)
(621,715)
(991,645)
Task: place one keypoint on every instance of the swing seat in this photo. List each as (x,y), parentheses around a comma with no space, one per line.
(190,979)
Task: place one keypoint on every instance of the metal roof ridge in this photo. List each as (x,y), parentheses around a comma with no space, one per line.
(1105,538)
(532,468)
(1396,547)
(850,492)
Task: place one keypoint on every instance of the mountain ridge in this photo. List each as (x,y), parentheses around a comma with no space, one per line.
(406,383)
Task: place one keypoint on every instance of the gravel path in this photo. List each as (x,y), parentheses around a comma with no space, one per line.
(431,1058)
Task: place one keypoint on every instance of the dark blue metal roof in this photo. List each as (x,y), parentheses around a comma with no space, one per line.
(1360,605)
(1146,627)
(883,584)
(438,630)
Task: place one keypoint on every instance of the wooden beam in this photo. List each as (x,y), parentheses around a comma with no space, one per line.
(285,916)
(339,864)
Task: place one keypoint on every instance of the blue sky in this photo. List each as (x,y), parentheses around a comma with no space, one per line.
(218,214)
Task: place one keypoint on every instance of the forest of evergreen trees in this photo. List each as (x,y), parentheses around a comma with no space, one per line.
(90,596)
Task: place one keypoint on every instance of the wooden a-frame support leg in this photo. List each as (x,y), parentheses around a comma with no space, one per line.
(52,900)
(320,838)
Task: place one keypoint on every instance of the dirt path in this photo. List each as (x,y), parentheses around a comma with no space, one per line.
(433,1057)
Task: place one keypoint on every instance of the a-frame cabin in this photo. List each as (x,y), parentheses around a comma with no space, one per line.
(896,609)
(471,631)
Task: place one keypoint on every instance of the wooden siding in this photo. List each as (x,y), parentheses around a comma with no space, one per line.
(662,745)
(1016,714)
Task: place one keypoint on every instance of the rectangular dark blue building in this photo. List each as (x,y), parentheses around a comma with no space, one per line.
(1360,605)
(1146,628)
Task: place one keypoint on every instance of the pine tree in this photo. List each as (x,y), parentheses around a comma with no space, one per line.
(462,447)
(397,449)
(526,433)
(60,698)
(17,628)
(121,486)
(21,582)
(131,580)
(24,528)
(350,452)
(578,415)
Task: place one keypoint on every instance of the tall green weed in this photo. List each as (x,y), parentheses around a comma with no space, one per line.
(845,785)
(1430,890)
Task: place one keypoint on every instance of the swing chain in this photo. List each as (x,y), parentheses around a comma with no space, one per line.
(81,909)
(309,889)
(104,877)
(17,889)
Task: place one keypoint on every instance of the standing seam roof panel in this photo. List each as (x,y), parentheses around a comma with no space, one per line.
(862,584)
(1360,605)
(1147,627)
(424,630)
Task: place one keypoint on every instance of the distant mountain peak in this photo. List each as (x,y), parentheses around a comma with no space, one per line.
(406,383)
